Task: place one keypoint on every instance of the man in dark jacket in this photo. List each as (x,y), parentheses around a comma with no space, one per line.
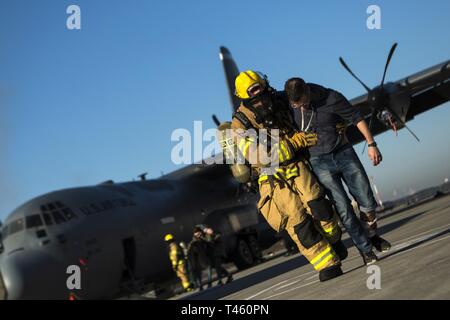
(197,257)
(333,159)
(216,253)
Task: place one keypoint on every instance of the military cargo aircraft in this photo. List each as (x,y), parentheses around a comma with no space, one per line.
(114,231)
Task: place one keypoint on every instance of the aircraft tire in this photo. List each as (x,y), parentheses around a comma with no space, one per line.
(242,256)
(255,249)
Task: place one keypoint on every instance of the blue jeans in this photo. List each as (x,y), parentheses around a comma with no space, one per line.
(343,165)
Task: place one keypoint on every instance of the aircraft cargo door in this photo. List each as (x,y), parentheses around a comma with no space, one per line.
(129,256)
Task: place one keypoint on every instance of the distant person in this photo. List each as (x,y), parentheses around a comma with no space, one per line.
(321,111)
(184,249)
(197,257)
(178,261)
(216,254)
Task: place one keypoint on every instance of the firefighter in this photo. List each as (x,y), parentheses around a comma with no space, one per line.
(178,262)
(290,196)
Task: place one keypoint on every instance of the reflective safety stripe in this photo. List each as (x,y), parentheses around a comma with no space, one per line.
(330,230)
(244,145)
(262,178)
(320,255)
(285,152)
(286,173)
(241,144)
(324,261)
(293,172)
(280,155)
(322,258)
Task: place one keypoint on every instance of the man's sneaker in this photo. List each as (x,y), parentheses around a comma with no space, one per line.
(330,273)
(380,244)
(369,257)
(229,278)
(340,250)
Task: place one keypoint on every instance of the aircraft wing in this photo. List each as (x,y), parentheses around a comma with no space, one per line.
(426,89)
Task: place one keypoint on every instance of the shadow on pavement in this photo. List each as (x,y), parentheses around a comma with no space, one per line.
(250,280)
(415,244)
(389,227)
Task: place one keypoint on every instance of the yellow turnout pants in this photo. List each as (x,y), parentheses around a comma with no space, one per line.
(283,204)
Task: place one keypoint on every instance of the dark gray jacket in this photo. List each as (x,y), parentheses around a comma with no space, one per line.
(328,108)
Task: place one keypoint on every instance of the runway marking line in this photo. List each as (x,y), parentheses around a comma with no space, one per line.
(394,251)
(386,254)
(292,289)
(400,246)
(276,285)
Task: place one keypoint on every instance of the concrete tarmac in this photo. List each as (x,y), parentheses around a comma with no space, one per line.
(416,267)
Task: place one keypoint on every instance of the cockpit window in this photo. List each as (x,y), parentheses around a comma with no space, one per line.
(15,226)
(47,219)
(5,231)
(57,216)
(33,221)
(56,213)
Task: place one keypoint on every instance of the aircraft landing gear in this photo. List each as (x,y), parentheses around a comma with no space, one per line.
(247,252)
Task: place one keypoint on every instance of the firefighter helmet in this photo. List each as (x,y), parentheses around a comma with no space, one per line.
(248,82)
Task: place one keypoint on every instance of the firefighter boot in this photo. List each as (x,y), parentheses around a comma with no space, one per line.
(330,273)
(340,249)
(369,222)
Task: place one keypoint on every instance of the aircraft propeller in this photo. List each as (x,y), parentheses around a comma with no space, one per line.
(378,98)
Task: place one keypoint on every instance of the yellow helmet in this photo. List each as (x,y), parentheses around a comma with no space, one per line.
(246,80)
(168,237)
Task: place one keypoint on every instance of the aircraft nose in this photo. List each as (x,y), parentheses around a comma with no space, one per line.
(33,275)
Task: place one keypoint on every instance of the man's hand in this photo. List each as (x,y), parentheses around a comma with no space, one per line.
(374,155)
(303,140)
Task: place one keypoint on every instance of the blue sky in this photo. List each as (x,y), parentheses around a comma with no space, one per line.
(78,107)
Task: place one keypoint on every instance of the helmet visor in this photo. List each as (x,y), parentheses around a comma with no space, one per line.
(255,90)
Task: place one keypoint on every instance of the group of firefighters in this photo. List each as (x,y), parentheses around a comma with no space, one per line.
(303,194)
(205,252)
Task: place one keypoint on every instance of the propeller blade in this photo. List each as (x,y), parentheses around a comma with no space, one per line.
(364,148)
(410,131)
(372,116)
(401,122)
(391,52)
(216,120)
(351,72)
